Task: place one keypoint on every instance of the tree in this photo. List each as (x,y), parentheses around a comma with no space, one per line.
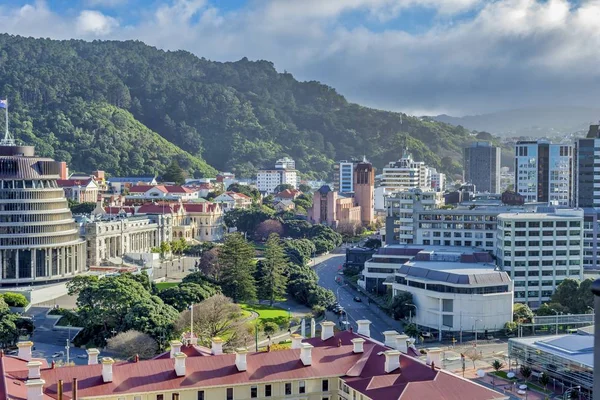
(411,330)
(15,299)
(522,313)
(525,372)
(174,173)
(270,328)
(473,355)
(128,344)
(152,316)
(267,228)
(80,282)
(185,294)
(510,327)
(217,316)
(547,309)
(247,219)
(400,307)
(497,365)
(209,263)
(283,186)
(347,229)
(81,208)
(304,188)
(245,189)
(164,249)
(236,258)
(566,294)
(373,243)
(272,282)
(544,379)
(296,228)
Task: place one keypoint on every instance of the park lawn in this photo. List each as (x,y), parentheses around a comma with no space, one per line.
(266,313)
(502,374)
(166,285)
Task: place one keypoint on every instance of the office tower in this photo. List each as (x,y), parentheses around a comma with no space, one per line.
(587,176)
(343,176)
(544,172)
(482,166)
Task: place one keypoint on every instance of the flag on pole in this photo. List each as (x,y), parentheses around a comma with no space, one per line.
(3,103)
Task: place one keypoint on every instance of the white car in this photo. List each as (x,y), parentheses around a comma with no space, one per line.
(58,354)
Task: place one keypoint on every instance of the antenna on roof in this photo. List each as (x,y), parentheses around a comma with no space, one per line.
(8,140)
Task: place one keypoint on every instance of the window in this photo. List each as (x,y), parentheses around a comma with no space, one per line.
(302,387)
(253,392)
(160,397)
(229,393)
(325,385)
(174,396)
(288,388)
(200,395)
(267,390)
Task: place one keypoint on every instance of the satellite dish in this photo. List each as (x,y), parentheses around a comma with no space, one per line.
(480,373)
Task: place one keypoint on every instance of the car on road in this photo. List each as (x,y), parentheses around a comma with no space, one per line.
(426,335)
(338,310)
(357,299)
(82,356)
(13,352)
(58,354)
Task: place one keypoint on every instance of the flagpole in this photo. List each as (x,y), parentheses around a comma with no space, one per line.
(6,120)
(191,323)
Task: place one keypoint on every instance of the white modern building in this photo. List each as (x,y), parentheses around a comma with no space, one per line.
(285,163)
(343,179)
(401,176)
(456,290)
(438,180)
(539,251)
(544,172)
(283,173)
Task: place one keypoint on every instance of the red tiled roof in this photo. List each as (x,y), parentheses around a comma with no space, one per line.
(288,194)
(145,188)
(11,387)
(151,208)
(72,182)
(178,189)
(199,207)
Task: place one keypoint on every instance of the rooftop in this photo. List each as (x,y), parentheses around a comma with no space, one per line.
(558,214)
(574,348)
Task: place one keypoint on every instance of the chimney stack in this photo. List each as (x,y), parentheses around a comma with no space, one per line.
(390,338)
(392,360)
(296,340)
(107,369)
(217,346)
(358,345)
(25,350)
(364,327)
(59,390)
(35,389)
(327,329)
(240,358)
(175,347)
(92,356)
(74,389)
(34,368)
(306,354)
(180,363)
(401,343)
(434,355)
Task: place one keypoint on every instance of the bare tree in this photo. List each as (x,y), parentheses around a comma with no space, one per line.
(217,316)
(209,263)
(348,229)
(128,344)
(265,228)
(473,355)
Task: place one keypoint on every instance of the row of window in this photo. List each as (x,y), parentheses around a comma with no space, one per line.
(538,224)
(544,233)
(466,243)
(28,184)
(458,217)
(545,243)
(544,253)
(446,225)
(39,241)
(452,289)
(61,204)
(545,263)
(33,229)
(533,293)
(467,235)
(31,195)
(32,218)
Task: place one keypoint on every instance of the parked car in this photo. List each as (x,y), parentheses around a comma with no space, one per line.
(357,299)
(58,354)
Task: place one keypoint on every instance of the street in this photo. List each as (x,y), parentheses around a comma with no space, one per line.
(327,270)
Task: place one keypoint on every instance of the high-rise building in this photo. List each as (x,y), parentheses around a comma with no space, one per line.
(364,190)
(343,176)
(283,173)
(285,163)
(39,240)
(438,180)
(400,176)
(586,192)
(482,166)
(544,172)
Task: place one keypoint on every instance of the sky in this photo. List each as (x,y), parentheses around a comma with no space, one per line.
(422,57)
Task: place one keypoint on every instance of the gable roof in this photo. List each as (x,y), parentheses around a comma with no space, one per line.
(74,182)
(288,194)
(145,188)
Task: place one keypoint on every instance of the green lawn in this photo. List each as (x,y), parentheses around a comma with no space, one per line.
(166,285)
(267,313)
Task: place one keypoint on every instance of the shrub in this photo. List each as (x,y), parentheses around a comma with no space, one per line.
(318,310)
(270,328)
(15,299)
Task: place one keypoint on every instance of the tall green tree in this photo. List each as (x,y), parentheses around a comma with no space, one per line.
(236,258)
(272,282)
(174,173)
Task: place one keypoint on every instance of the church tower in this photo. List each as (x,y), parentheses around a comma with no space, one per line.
(364,190)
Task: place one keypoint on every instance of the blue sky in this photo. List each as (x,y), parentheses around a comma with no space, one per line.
(417,56)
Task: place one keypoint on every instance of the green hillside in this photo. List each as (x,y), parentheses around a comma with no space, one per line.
(65,98)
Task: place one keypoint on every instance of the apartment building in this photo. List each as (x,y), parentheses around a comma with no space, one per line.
(481,162)
(587,167)
(539,251)
(438,180)
(343,176)
(400,176)
(544,172)
(346,365)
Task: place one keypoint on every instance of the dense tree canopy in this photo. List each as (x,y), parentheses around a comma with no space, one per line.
(98,105)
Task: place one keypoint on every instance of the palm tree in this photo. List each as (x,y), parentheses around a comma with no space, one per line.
(526,372)
(497,365)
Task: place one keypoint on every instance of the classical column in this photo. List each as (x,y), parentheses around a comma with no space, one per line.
(17,264)
(33,261)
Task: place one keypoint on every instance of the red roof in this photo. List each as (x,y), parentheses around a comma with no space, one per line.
(178,189)
(363,372)
(118,210)
(199,207)
(72,182)
(288,194)
(145,188)
(236,194)
(151,208)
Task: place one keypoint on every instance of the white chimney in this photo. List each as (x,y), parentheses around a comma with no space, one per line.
(364,327)
(35,389)
(392,360)
(390,338)
(240,358)
(25,350)
(296,340)
(358,345)
(34,368)
(175,347)
(217,346)
(92,356)
(401,343)
(434,355)
(107,369)
(327,329)
(306,354)
(180,363)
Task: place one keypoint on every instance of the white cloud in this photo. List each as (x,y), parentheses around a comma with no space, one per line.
(105,3)
(510,53)
(91,22)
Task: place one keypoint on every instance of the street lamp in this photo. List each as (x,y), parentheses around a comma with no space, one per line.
(556,312)
(596,292)
(477,319)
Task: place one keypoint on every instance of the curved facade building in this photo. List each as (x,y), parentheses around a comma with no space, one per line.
(39,240)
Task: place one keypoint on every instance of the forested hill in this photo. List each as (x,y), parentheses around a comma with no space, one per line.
(104,105)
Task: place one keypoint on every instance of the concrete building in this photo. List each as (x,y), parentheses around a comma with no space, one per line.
(233,200)
(39,240)
(587,169)
(364,185)
(119,184)
(591,239)
(333,209)
(544,172)
(141,194)
(346,366)
(438,180)
(285,163)
(268,179)
(400,176)
(481,162)
(343,176)
(539,251)
(80,190)
(455,290)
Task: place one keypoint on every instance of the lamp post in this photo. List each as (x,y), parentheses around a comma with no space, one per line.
(596,292)
(477,319)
